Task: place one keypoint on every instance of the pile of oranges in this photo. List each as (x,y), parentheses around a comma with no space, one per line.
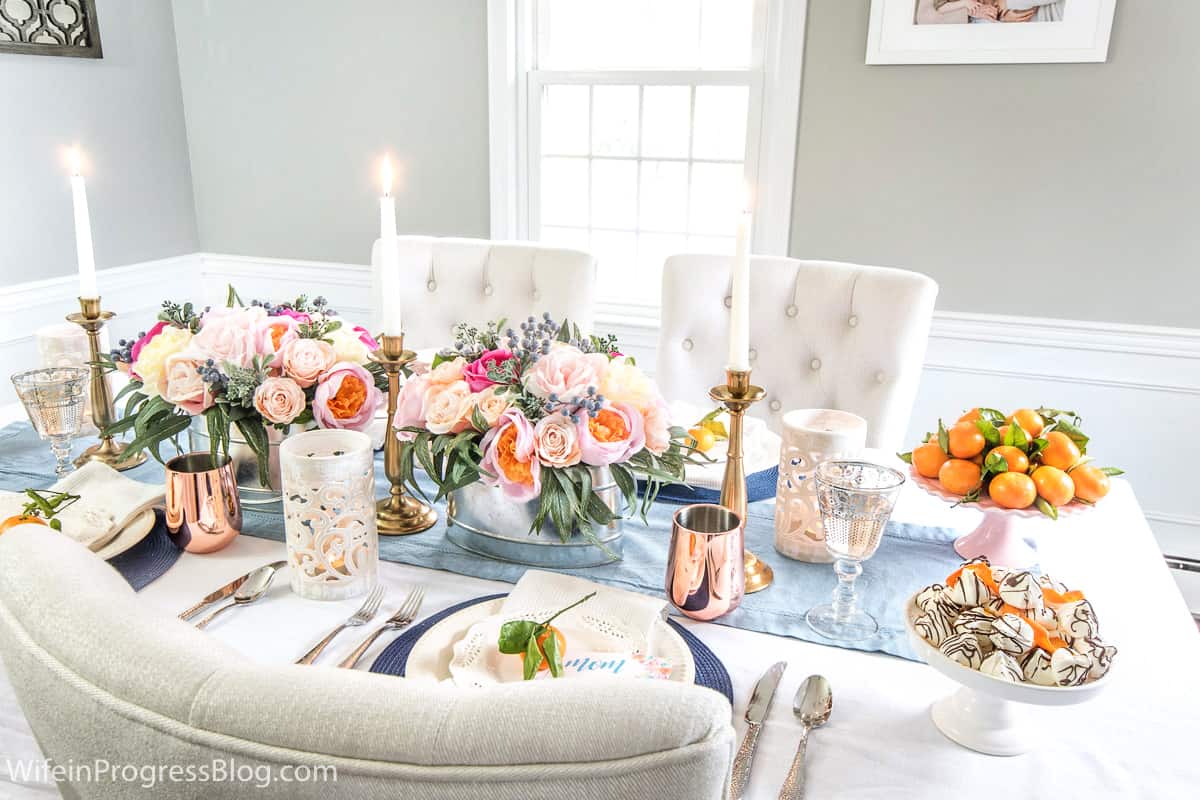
(1031,457)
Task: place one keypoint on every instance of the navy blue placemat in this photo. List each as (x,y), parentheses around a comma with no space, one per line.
(759,485)
(147,560)
(393,660)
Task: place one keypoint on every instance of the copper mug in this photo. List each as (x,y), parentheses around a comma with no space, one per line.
(706,571)
(203,511)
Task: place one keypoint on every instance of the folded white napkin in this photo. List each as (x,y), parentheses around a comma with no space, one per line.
(614,621)
(760,446)
(108,501)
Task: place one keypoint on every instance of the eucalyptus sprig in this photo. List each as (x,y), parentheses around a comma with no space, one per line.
(521,636)
(48,507)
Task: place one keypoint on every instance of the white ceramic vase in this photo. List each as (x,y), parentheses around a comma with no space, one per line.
(810,436)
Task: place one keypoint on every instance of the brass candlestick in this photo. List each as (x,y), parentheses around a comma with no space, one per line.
(737,395)
(91,318)
(399,513)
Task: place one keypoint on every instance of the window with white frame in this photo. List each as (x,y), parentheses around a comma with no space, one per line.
(636,129)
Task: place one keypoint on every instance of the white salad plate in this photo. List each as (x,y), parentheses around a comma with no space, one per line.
(431,655)
(132,534)
(986,714)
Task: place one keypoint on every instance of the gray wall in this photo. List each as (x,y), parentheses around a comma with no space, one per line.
(1055,190)
(291,104)
(126,113)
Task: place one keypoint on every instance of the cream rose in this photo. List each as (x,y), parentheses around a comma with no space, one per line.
(304,360)
(151,363)
(491,404)
(448,371)
(447,407)
(348,345)
(624,383)
(183,385)
(556,441)
(279,400)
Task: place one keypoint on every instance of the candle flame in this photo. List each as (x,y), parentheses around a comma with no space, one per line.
(75,158)
(386,176)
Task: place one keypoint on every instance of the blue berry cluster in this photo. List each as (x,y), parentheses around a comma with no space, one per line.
(123,352)
(590,403)
(318,304)
(213,376)
(535,337)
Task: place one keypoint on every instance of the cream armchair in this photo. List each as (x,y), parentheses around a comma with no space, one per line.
(447,281)
(100,675)
(822,335)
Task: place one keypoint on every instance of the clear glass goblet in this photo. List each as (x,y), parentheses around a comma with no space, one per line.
(54,399)
(856,499)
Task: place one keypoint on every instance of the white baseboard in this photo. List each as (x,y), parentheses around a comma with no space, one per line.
(1136,385)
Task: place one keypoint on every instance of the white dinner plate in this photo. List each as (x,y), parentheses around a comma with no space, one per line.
(133,533)
(431,655)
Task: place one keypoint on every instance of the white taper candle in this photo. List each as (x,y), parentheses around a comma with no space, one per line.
(83,231)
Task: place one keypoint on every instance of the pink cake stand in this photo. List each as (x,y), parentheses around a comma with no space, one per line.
(1000,536)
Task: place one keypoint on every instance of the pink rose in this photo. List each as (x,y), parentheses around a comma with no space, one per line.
(476,373)
(614,435)
(272,333)
(304,360)
(448,371)
(447,407)
(227,335)
(491,404)
(409,404)
(656,421)
(279,400)
(557,441)
(183,385)
(136,350)
(509,458)
(299,316)
(346,397)
(365,337)
(565,372)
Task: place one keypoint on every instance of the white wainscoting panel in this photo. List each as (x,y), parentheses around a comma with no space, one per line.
(1137,387)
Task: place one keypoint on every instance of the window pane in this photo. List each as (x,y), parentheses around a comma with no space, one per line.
(664,197)
(717,192)
(616,254)
(564,191)
(631,34)
(574,238)
(653,249)
(726,32)
(720,245)
(615,120)
(666,118)
(614,194)
(565,120)
(720,126)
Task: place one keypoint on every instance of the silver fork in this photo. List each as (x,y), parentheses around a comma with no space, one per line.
(405,615)
(360,617)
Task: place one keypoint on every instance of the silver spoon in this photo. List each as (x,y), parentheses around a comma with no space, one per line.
(256,586)
(813,704)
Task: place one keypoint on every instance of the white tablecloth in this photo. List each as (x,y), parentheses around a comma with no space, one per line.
(1136,739)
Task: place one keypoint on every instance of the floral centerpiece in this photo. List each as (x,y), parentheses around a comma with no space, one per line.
(534,412)
(256,368)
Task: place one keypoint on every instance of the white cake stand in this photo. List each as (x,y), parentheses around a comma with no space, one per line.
(987,713)
(1000,536)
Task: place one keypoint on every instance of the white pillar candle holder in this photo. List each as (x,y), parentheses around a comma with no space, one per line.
(810,436)
(328,479)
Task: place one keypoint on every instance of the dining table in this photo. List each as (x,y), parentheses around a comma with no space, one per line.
(1136,738)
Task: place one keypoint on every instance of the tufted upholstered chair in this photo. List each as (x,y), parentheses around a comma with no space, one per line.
(102,675)
(447,281)
(822,335)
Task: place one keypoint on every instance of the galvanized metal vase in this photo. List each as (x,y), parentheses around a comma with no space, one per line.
(245,462)
(482,520)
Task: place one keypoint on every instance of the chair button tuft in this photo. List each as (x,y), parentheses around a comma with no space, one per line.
(775,405)
(487,290)
(792,310)
(728,301)
(537,295)
(431,285)
(687,345)
(852,321)
(815,364)
(753,354)
(880,377)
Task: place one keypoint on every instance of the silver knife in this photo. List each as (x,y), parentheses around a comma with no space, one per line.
(225,591)
(756,712)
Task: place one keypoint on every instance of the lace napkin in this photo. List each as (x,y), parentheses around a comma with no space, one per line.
(614,621)
(108,502)
(760,446)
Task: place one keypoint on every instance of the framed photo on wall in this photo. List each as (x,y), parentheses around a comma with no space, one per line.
(989,31)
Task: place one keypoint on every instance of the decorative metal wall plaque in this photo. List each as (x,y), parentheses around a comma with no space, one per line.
(50,28)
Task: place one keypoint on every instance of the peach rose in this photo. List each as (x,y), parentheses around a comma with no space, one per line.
(228,335)
(279,400)
(556,441)
(491,404)
(304,360)
(448,371)
(657,423)
(272,334)
(565,372)
(410,403)
(183,385)
(447,407)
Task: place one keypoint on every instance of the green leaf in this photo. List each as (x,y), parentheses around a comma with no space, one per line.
(992,415)
(231,297)
(990,434)
(1046,508)
(553,657)
(994,463)
(1112,471)
(478,421)
(255,434)
(515,635)
(164,428)
(1075,435)
(133,387)
(1039,444)
(905,457)
(626,483)
(533,658)
(943,438)
(1015,436)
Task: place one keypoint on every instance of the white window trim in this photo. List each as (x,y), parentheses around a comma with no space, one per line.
(771,134)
